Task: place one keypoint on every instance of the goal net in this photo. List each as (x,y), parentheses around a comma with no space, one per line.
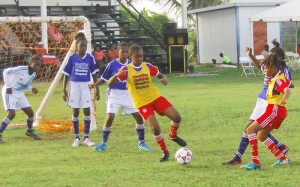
(52,38)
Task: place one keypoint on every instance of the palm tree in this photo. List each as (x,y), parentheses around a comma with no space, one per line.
(191,4)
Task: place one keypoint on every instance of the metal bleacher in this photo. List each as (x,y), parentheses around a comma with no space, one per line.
(107,26)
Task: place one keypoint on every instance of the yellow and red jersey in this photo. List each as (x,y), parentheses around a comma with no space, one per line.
(276,88)
(139,83)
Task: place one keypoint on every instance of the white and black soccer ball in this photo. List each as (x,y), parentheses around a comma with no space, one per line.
(183,156)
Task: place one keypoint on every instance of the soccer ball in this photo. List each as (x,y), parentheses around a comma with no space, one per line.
(183,156)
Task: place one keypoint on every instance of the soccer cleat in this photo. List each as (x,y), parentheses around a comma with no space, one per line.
(145,147)
(30,132)
(1,141)
(164,158)
(88,142)
(233,162)
(100,147)
(281,162)
(285,150)
(76,143)
(178,140)
(251,166)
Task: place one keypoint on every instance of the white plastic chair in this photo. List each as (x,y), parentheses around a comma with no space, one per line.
(247,67)
(289,56)
(293,61)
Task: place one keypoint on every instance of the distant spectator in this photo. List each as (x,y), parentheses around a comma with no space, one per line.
(100,58)
(226,60)
(111,53)
(265,52)
(54,34)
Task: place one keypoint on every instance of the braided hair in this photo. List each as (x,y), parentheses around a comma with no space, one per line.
(272,60)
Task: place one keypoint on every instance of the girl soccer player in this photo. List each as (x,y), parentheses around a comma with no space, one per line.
(277,94)
(78,69)
(118,97)
(147,98)
(261,104)
(17,79)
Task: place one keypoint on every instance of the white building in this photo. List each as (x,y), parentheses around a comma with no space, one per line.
(227,29)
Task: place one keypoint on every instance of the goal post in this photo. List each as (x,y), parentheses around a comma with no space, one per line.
(21,37)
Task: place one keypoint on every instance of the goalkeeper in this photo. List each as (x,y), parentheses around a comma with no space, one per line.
(17,79)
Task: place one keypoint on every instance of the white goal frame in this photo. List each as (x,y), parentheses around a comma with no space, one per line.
(46,19)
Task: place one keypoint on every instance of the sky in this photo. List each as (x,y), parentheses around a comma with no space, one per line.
(157,8)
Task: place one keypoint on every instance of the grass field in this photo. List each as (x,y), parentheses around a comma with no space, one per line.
(214,109)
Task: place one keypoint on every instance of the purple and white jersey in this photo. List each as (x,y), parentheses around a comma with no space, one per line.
(111,69)
(80,69)
(263,92)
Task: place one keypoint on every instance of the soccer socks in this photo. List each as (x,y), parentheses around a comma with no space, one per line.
(278,144)
(4,124)
(173,129)
(140,130)
(161,142)
(242,147)
(87,124)
(75,123)
(105,134)
(29,123)
(254,147)
(270,144)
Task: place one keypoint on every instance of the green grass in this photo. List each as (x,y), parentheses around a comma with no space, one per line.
(214,110)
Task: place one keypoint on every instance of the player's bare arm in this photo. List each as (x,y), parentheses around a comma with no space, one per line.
(114,79)
(65,92)
(162,79)
(252,57)
(97,89)
(98,83)
(286,95)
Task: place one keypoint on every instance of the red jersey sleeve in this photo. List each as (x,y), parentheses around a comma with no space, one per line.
(281,85)
(153,70)
(122,77)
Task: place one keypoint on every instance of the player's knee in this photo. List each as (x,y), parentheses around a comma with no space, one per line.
(11,114)
(30,113)
(76,114)
(177,119)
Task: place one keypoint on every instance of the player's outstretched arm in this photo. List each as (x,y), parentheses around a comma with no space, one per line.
(252,57)
(114,79)
(98,83)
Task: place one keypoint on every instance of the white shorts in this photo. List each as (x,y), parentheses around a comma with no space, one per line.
(15,101)
(117,99)
(80,96)
(259,109)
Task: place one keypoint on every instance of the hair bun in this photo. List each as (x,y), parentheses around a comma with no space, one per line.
(275,43)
